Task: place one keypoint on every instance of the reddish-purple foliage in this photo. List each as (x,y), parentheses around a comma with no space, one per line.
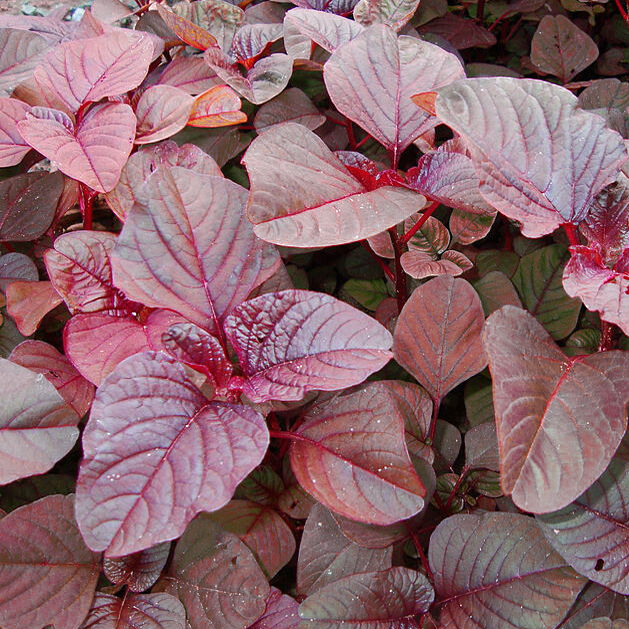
(316,331)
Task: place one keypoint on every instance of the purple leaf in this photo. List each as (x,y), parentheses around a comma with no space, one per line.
(608,98)
(48,575)
(251,40)
(559,47)
(369,477)
(497,567)
(216,578)
(593,602)
(188,247)
(419,264)
(94,152)
(554,158)
(331,6)
(189,32)
(388,599)
(141,164)
(402,66)
(559,419)
(280,613)
(27,205)
(140,570)
(481,447)
(591,533)
(20,52)
(157,454)
(162,111)
(137,611)
(292,105)
(303,196)
(262,529)
(296,341)
(437,337)
(190,74)
(14,267)
(37,428)
(326,555)
(88,70)
(393,14)
(12,145)
(96,342)
(461,32)
(217,107)
(43,358)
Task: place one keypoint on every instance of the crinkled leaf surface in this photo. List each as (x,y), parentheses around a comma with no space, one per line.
(402,66)
(216,577)
(88,70)
(559,419)
(137,611)
(326,555)
(27,205)
(156,453)
(295,341)
(367,477)
(12,146)
(394,13)
(388,599)
(540,159)
(302,195)
(138,571)
(187,246)
(37,427)
(438,335)
(47,574)
(45,359)
(559,47)
(497,571)
(591,533)
(94,152)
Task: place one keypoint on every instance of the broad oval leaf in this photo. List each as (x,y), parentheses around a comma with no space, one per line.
(27,205)
(292,105)
(302,195)
(162,111)
(389,599)
(29,302)
(175,253)
(37,427)
(43,358)
(496,290)
(12,146)
(438,335)
(137,611)
(498,567)
(403,66)
(94,152)
(295,341)
(47,575)
(20,52)
(540,159)
(217,107)
(591,533)
(138,571)
(189,73)
(216,577)
(559,47)
(156,455)
(419,264)
(88,70)
(559,419)
(352,457)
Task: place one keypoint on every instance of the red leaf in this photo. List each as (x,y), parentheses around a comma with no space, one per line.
(48,576)
(43,358)
(12,145)
(88,70)
(303,196)
(145,611)
(20,52)
(27,205)
(296,341)
(281,612)
(29,302)
(540,159)
(419,264)
(140,570)
(251,40)
(189,73)
(437,337)
(403,67)
(37,428)
(555,436)
(94,152)
(498,566)
(368,477)
(218,107)
(157,454)
(199,266)
(162,111)
(216,578)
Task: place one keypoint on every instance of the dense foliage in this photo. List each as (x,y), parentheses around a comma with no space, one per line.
(315,316)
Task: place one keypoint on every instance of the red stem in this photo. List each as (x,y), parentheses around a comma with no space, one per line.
(367,137)
(283,434)
(608,336)
(433,421)
(401,291)
(456,487)
(623,11)
(499,19)
(419,224)
(422,556)
(86,201)
(383,265)
(571,232)
(350,135)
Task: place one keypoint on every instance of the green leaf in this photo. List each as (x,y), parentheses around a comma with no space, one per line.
(496,260)
(495,291)
(479,403)
(582,342)
(368,293)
